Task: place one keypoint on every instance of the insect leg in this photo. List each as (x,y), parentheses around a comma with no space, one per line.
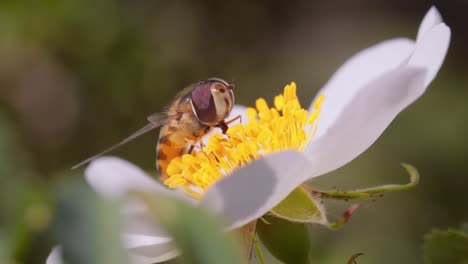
(201,144)
(234,119)
(224,125)
(189,151)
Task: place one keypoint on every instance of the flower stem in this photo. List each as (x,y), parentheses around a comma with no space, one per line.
(373,192)
(247,233)
(353,258)
(259,252)
(344,217)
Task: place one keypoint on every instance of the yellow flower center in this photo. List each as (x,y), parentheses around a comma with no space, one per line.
(286,126)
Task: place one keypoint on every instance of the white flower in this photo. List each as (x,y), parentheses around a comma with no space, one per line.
(362,98)
(55,257)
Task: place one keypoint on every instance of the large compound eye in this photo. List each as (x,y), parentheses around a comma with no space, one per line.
(203,103)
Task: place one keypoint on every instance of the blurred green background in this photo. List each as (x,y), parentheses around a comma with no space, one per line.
(78,75)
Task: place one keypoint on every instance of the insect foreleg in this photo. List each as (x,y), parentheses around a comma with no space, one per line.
(224,125)
(190,149)
(234,119)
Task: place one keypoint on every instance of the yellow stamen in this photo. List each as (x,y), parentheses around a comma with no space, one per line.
(285,126)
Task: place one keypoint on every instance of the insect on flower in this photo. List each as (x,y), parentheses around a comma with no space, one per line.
(191,115)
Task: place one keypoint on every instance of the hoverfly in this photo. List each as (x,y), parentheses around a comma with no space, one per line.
(191,115)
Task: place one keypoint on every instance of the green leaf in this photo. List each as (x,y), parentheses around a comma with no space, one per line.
(196,232)
(87,227)
(287,241)
(300,207)
(371,193)
(446,246)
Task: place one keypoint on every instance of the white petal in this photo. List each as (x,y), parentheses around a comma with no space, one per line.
(140,223)
(134,241)
(149,249)
(431,19)
(253,190)
(364,119)
(113,177)
(359,70)
(145,256)
(144,240)
(338,143)
(55,256)
(431,50)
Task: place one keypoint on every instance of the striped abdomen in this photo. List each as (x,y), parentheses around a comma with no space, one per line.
(170,145)
(175,139)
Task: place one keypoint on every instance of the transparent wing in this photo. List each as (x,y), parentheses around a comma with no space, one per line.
(157,117)
(156,120)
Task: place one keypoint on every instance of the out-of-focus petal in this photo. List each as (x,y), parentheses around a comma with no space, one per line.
(144,256)
(141,223)
(55,256)
(358,71)
(365,118)
(113,177)
(431,19)
(254,189)
(134,241)
(145,249)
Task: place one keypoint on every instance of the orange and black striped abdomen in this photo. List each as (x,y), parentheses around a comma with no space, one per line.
(175,139)
(170,145)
